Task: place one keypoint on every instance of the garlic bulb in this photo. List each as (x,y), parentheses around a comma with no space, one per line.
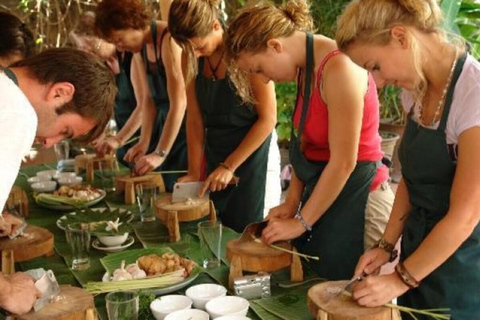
(135,271)
(121,274)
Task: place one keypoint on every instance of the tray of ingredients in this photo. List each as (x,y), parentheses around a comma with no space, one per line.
(159,269)
(70,197)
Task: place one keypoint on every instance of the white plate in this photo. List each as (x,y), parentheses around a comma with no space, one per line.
(162,291)
(59,221)
(99,246)
(62,206)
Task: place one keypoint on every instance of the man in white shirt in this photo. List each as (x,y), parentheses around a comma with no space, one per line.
(57,94)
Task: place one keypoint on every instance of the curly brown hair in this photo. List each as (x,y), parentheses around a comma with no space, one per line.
(94,84)
(112,15)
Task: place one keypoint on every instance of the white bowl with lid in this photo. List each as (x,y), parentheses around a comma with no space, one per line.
(44,186)
(202,293)
(227,306)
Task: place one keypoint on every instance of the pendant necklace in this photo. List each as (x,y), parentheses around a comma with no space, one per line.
(213,70)
(442,98)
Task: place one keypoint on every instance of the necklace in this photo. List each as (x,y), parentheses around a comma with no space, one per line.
(442,98)
(214,69)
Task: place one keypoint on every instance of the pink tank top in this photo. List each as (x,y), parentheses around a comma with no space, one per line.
(315,133)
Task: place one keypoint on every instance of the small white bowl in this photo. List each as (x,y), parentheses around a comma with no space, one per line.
(188,314)
(33,180)
(46,173)
(113,241)
(62,175)
(202,293)
(233,318)
(162,306)
(227,306)
(44,186)
(69,181)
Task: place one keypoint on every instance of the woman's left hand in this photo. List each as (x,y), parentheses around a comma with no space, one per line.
(148,163)
(376,291)
(282,229)
(217,180)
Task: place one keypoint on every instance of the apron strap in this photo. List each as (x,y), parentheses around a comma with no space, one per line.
(308,81)
(153,27)
(10,74)
(451,89)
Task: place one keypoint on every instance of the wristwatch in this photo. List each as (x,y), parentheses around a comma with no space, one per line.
(160,152)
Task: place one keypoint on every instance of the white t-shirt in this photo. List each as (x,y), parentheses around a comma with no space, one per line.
(18,127)
(465,109)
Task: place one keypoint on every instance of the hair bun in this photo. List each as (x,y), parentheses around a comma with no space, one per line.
(426,12)
(299,12)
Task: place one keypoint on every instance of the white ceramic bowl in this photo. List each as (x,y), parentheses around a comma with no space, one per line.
(202,293)
(33,180)
(162,306)
(227,306)
(62,175)
(69,181)
(44,186)
(188,314)
(233,318)
(113,241)
(46,173)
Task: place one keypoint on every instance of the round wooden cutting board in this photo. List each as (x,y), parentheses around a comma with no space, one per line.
(324,305)
(257,257)
(74,304)
(34,243)
(185,212)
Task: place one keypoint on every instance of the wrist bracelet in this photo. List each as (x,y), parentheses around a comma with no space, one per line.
(405,276)
(226,166)
(387,247)
(304,223)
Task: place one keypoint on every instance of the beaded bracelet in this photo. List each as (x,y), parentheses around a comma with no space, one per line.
(387,247)
(405,276)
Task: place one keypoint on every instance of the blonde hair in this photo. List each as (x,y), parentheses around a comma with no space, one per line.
(370,22)
(189,19)
(251,29)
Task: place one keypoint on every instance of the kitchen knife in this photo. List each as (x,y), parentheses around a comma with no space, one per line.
(183,191)
(253,231)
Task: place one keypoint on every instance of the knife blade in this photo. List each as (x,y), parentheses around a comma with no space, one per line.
(348,286)
(182,191)
(252,231)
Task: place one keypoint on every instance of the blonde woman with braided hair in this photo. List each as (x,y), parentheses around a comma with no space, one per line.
(234,137)
(339,199)
(437,205)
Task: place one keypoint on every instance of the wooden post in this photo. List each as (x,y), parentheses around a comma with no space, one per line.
(213,212)
(173,227)
(90,170)
(235,270)
(129,192)
(8,262)
(296,270)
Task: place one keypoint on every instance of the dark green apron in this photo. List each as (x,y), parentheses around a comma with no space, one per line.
(428,171)
(227,122)
(10,74)
(157,80)
(125,102)
(337,237)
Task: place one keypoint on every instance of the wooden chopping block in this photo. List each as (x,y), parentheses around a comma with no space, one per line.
(254,257)
(15,195)
(90,162)
(173,213)
(324,305)
(34,243)
(127,183)
(75,304)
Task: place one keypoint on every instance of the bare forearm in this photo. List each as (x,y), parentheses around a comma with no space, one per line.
(131,126)
(195,143)
(329,185)
(252,141)
(400,211)
(171,128)
(149,115)
(294,190)
(445,238)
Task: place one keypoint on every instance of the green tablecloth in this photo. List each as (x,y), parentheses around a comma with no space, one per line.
(285,303)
